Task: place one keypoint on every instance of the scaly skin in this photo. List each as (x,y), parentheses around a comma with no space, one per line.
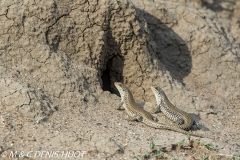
(182,118)
(137,113)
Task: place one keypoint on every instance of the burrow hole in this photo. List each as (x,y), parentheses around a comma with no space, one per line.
(112,73)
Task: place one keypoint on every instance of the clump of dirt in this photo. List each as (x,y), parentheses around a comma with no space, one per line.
(59,60)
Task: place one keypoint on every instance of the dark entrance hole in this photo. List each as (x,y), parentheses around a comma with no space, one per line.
(106,82)
(112,73)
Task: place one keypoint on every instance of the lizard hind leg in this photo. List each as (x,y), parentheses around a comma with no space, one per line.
(138,118)
(133,118)
(179,121)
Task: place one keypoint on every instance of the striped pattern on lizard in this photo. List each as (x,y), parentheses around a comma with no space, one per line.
(182,118)
(139,114)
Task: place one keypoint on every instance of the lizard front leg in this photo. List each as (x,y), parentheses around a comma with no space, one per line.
(157,110)
(155,119)
(120,106)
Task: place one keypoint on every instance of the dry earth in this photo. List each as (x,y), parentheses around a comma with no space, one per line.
(59,60)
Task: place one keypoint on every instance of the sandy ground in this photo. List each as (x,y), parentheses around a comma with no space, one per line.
(59,60)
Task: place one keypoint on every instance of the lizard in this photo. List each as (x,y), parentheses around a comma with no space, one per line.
(182,118)
(139,114)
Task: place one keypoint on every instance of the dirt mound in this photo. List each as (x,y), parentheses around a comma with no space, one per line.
(59,60)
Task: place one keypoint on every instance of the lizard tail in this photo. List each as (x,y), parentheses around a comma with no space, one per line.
(182,131)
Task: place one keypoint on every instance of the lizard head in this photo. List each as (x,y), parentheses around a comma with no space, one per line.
(156,89)
(125,93)
(158,92)
(121,88)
